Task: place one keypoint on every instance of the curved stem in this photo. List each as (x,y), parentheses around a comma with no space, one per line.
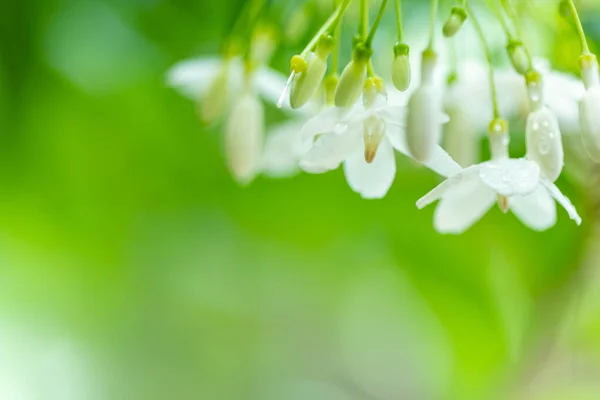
(333,19)
(376,23)
(501,19)
(433,17)
(399,19)
(488,56)
(585,49)
(335,57)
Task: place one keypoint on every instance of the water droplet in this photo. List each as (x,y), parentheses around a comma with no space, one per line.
(535,126)
(545,124)
(544,147)
(340,127)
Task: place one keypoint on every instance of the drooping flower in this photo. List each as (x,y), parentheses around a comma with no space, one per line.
(423,128)
(543,137)
(515,184)
(228,87)
(364,139)
(589,107)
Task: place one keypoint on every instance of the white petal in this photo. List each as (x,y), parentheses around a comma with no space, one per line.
(269,84)
(280,157)
(562,200)
(439,161)
(537,209)
(371,181)
(329,150)
(192,78)
(510,176)
(463,205)
(463,177)
(330,120)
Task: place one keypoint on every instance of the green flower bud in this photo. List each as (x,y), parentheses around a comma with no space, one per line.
(307,83)
(518,56)
(401,67)
(455,21)
(544,142)
(353,79)
(564,9)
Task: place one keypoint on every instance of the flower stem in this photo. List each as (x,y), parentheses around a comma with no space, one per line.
(488,56)
(334,19)
(363,26)
(585,49)
(433,17)
(399,19)
(369,40)
(501,19)
(335,56)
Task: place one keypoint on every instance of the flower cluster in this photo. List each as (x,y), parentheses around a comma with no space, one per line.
(358,120)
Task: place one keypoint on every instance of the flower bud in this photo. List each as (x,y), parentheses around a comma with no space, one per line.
(374,130)
(518,56)
(306,83)
(213,104)
(455,21)
(588,65)
(244,137)
(589,119)
(535,89)
(423,124)
(352,80)
(401,67)
(499,140)
(461,139)
(564,9)
(544,142)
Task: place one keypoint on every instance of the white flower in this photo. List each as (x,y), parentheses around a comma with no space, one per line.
(243,137)
(364,139)
(589,107)
(281,153)
(423,127)
(589,114)
(514,183)
(222,86)
(201,80)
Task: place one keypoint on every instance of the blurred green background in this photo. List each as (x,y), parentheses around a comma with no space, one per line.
(133,267)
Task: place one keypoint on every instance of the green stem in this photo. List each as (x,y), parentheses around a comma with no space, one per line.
(510,12)
(363,26)
(488,56)
(501,19)
(585,49)
(370,70)
(434,9)
(399,19)
(376,23)
(340,11)
(335,57)
(333,19)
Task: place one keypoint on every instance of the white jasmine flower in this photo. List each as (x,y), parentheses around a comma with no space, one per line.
(422,125)
(544,140)
(515,184)
(281,153)
(364,140)
(589,107)
(214,80)
(243,137)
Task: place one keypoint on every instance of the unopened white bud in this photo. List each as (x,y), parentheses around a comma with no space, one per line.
(244,137)
(307,83)
(589,119)
(423,124)
(518,57)
(212,106)
(588,65)
(499,140)
(461,139)
(401,72)
(455,21)
(352,80)
(544,142)
(374,130)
